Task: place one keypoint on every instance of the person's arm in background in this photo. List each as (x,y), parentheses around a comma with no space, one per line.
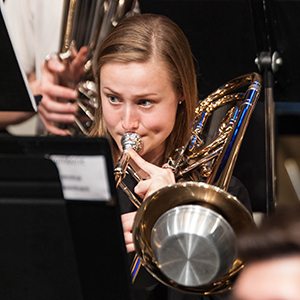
(13,117)
(12,10)
(16,117)
(35,27)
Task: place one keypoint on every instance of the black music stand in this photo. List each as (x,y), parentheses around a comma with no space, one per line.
(275,25)
(52,248)
(268,61)
(14,87)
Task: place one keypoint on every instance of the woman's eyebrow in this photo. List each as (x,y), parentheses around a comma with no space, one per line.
(136,95)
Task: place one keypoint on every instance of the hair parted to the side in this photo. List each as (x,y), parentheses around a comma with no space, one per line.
(277,236)
(141,38)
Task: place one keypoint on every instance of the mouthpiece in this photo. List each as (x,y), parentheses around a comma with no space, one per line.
(131,140)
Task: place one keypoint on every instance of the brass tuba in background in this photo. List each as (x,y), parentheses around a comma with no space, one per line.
(87,23)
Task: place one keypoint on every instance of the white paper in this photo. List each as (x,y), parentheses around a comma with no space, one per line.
(83,177)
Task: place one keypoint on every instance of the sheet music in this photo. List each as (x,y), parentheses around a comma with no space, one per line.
(83,177)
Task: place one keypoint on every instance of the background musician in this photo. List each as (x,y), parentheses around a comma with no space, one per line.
(272,258)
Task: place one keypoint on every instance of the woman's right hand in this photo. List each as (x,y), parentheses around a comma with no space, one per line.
(157,179)
(127,222)
(55,106)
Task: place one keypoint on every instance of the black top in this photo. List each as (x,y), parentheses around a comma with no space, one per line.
(146,287)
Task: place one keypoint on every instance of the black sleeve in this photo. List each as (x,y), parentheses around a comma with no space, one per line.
(237,189)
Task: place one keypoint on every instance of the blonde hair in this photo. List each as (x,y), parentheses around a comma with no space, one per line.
(144,37)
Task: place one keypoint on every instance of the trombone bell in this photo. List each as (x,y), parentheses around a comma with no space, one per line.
(193,245)
(181,201)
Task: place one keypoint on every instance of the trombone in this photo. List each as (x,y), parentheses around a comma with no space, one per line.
(162,223)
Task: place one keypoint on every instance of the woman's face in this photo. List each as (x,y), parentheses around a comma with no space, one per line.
(139,98)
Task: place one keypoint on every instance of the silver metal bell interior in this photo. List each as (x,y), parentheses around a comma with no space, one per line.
(193,245)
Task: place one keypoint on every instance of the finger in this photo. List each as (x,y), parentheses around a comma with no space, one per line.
(130,248)
(73,49)
(50,127)
(50,117)
(53,64)
(143,164)
(81,57)
(129,242)
(151,169)
(128,238)
(147,187)
(56,117)
(127,222)
(49,86)
(52,106)
(78,63)
(58,91)
(142,188)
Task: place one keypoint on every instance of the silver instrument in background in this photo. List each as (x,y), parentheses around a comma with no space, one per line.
(88,23)
(185,234)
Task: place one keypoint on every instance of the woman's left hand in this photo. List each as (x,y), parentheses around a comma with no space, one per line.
(159,177)
(127,222)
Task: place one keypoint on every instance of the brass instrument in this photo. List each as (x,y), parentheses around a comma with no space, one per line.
(87,23)
(129,140)
(184,234)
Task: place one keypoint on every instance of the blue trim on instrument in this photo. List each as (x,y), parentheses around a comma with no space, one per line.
(232,141)
(136,267)
(199,125)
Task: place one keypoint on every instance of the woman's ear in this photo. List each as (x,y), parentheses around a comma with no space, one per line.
(180,98)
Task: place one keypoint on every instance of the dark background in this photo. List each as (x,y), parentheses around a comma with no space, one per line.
(225,37)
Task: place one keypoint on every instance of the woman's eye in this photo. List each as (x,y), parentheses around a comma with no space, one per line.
(145,103)
(113,99)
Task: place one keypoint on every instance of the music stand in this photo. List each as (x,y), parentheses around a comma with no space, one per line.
(54,248)
(15,91)
(275,25)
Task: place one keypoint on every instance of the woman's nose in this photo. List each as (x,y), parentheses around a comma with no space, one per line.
(130,119)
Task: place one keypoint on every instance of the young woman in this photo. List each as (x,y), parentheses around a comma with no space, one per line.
(147,85)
